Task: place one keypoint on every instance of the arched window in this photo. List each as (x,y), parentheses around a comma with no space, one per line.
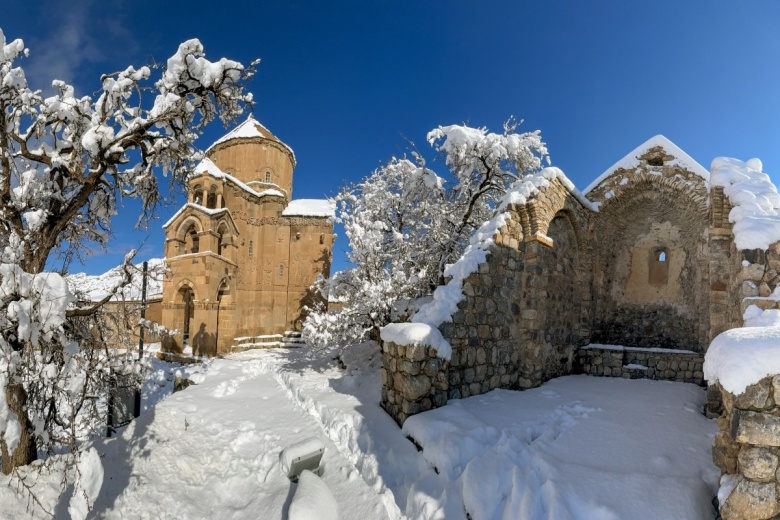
(193,240)
(211,200)
(267,176)
(197,194)
(658,268)
(251,249)
(224,289)
(222,238)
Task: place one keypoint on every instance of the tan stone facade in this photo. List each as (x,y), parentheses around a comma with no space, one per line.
(241,253)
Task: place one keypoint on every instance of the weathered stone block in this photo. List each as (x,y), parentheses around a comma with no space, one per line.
(751,501)
(758,464)
(755,396)
(416,352)
(755,428)
(415,387)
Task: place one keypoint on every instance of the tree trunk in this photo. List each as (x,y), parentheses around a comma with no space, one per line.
(25,451)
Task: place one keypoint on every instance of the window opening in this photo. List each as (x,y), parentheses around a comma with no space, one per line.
(658,268)
(251,248)
(281,270)
(267,176)
(193,239)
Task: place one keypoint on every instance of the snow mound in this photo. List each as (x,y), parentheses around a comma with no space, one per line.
(97,287)
(313,500)
(632,160)
(89,481)
(417,334)
(756,211)
(310,208)
(741,357)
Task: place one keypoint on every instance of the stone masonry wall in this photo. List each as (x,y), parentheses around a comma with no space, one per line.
(747,449)
(522,318)
(414,380)
(637,363)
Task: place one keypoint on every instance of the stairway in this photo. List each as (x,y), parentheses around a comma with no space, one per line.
(290,339)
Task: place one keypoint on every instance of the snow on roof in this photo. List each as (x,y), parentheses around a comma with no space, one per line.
(204,209)
(96,287)
(756,211)
(207,167)
(310,208)
(632,160)
(529,186)
(249,129)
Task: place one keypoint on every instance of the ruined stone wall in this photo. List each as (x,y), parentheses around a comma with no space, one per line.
(652,224)
(523,316)
(747,448)
(637,363)
(414,380)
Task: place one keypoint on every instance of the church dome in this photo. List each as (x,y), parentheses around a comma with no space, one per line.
(250,129)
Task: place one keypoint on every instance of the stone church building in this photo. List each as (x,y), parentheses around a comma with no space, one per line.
(241,253)
(631,278)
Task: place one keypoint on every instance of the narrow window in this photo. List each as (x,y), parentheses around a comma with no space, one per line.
(658,268)
(211,200)
(197,194)
(267,176)
(281,270)
(251,249)
(194,240)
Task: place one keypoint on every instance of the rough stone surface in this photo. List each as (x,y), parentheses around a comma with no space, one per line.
(748,445)
(626,363)
(751,501)
(758,464)
(755,428)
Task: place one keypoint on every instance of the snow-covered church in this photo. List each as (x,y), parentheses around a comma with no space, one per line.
(241,253)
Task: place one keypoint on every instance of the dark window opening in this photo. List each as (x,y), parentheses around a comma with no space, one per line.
(655,161)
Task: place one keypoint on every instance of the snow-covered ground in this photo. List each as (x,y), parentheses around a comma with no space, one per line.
(575,448)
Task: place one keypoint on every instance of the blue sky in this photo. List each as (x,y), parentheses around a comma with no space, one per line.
(344,82)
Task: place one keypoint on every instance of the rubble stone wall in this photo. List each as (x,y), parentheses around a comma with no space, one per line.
(747,451)
(414,380)
(637,363)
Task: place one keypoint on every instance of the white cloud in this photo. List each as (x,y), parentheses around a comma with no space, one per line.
(72,37)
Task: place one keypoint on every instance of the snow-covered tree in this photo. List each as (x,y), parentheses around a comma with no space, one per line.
(65,160)
(405,223)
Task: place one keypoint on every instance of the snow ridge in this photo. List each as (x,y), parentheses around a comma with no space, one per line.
(631,160)
(756,211)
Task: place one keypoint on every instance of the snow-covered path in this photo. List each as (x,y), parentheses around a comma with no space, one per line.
(212,451)
(576,448)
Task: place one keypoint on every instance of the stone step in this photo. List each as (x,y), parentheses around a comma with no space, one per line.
(290,339)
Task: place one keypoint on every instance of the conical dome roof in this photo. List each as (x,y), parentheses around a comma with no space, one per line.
(250,129)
